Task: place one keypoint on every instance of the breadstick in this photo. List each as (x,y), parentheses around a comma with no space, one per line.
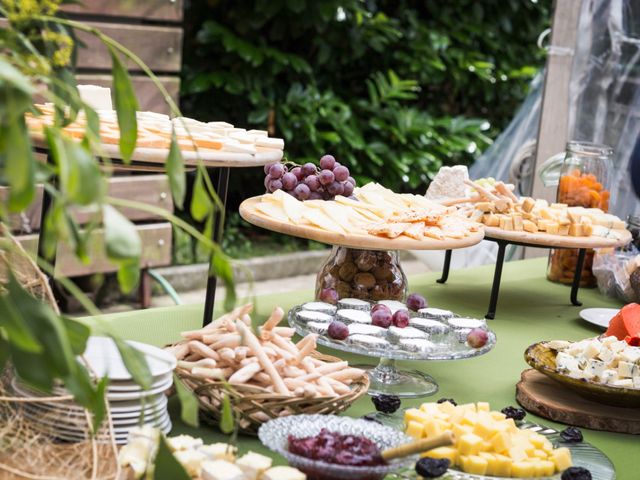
(285,344)
(291,371)
(457,201)
(279,351)
(251,341)
(205,362)
(179,350)
(286,332)
(274,319)
(201,349)
(323,385)
(228,355)
(504,190)
(246,361)
(339,387)
(245,374)
(262,378)
(202,372)
(241,353)
(306,346)
(346,374)
(331,367)
(230,340)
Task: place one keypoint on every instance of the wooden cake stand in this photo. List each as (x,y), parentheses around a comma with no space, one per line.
(539,240)
(218,165)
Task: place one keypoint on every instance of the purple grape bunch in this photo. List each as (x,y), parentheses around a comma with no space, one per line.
(307,182)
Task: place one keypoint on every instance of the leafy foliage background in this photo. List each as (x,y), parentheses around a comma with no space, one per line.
(393,89)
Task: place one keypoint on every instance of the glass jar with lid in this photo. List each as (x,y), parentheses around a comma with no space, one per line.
(582,175)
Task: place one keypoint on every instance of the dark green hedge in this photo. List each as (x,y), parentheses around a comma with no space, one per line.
(393,89)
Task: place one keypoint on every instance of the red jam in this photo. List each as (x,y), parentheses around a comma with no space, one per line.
(338,449)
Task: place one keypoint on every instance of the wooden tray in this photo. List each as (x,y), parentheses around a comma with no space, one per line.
(548,240)
(546,398)
(211,158)
(251,214)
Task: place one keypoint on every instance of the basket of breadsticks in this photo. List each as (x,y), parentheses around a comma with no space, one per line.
(264,372)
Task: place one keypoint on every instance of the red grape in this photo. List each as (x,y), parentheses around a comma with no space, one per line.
(267,167)
(312,182)
(329,295)
(348,189)
(315,196)
(327,162)
(276,170)
(381,317)
(416,301)
(380,306)
(267,179)
(352,181)
(477,338)
(326,177)
(341,173)
(274,185)
(289,181)
(297,171)
(308,169)
(338,330)
(335,188)
(401,318)
(302,192)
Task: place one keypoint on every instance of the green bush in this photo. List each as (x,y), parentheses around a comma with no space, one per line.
(394,89)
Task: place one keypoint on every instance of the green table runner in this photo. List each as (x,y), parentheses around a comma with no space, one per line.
(530,309)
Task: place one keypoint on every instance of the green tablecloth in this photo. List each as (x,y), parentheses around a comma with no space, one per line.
(530,309)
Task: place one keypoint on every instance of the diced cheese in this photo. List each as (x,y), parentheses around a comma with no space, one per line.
(624,383)
(522,469)
(561,457)
(529,226)
(595,367)
(183,442)
(469,444)
(221,470)
(450,453)
(626,369)
(553,228)
(219,451)
(191,460)
(283,473)
(253,465)
(415,429)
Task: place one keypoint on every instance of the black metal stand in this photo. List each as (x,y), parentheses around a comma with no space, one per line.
(218,227)
(497,274)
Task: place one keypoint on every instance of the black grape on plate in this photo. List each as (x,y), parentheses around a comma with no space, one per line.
(308,182)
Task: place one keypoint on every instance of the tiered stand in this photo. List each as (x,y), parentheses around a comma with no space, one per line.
(385,377)
(218,165)
(538,240)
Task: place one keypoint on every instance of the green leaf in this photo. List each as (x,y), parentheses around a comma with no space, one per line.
(166,465)
(201,203)
(222,269)
(16,328)
(128,275)
(135,362)
(81,385)
(4,353)
(121,237)
(34,369)
(175,170)
(226,415)
(17,163)
(126,105)
(188,403)
(78,334)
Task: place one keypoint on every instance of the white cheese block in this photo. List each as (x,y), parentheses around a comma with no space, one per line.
(393,305)
(435,313)
(191,460)
(283,473)
(320,307)
(449,183)
(395,334)
(429,325)
(254,465)
(466,323)
(416,345)
(184,442)
(624,383)
(320,328)
(367,341)
(608,340)
(609,376)
(627,369)
(566,362)
(363,329)
(631,354)
(349,315)
(221,470)
(354,303)
(595,367)
(306,316)
(591,350)
(607,355)
(219,451)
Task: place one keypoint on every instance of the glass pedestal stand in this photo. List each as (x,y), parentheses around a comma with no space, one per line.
(386,379)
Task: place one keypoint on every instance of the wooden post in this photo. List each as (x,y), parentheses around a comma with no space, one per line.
(553,132)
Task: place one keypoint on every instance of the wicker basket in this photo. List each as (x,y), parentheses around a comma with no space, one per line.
(253,406)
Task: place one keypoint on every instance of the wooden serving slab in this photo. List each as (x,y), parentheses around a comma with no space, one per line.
(251,214)
(561,241)
(210,158)
(546,398)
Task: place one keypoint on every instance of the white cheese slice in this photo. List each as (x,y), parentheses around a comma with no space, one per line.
(191,460)
(253,465)
(283,473)
(183,442)
(219,451)
(221,470)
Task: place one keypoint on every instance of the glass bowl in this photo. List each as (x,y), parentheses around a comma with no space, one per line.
(275,433)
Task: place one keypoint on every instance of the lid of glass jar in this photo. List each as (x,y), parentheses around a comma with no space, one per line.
(551,168)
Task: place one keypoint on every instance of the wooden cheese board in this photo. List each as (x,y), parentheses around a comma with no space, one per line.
(546,398)
(251,214)
(210,158)
(560,241)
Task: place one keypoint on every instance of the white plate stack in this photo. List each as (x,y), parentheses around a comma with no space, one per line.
(129,405)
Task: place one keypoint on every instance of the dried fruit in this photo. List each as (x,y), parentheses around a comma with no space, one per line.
(571,435)
(432,467)
(416,301)
(514,412)
(386,403)
(450,400)
(576,473)
(338,330)
(477,338)
(401,318)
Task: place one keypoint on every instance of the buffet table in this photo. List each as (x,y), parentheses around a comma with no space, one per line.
(532,310)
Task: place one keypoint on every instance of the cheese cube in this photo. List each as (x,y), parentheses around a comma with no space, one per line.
(501,442)
(563,230)
(450,453)
(433,428)
(553,228)
(415,415)
(503,466)
(221,470)
(544,468)
(595,367)
(283,473)
(559,206)
(609,376)
(485,429)
(592,349)
(529,226)
(183,442)
(253,465)
(219,451)
(191,460)
(447,407)
(518,223)
(527,204)
(498,415)
(491,220)
(506,223)
(575,230)
(469,406)
(469,418)
(561,457)
(630,354)
(566,362)
(492,462)
(483,407)
(460,430)
(624,383)
(430,408)
(469,444)
(537,453)
(517,453)
(476,465)
(522,469)
(626,369)
(415,429)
